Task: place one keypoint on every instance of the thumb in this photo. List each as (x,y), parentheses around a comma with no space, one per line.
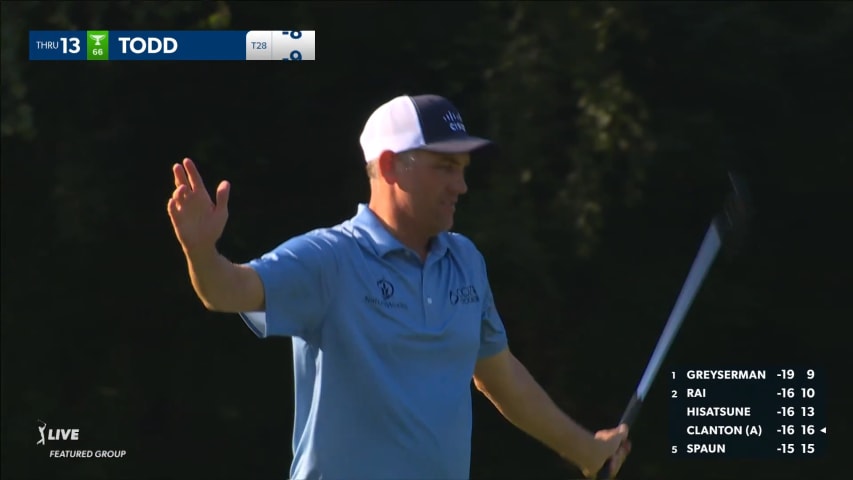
(222,193)
(622,432)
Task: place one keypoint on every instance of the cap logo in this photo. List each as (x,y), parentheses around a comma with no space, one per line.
(454,121)
(428,122)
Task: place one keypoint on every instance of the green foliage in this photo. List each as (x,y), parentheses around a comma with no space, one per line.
(19,17)
(572,133)
(17,117)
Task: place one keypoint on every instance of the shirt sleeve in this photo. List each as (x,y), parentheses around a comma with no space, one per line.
(493,338)
(298,278)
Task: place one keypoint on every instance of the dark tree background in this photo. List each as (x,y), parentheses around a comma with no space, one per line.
(616,124)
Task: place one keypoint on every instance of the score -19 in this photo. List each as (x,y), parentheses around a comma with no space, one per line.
(788,374)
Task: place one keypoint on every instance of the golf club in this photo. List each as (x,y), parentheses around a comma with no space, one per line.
(727,230)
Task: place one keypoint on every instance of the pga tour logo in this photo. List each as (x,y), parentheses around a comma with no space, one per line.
(56,433)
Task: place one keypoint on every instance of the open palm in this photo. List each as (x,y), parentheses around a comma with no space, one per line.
(198,222)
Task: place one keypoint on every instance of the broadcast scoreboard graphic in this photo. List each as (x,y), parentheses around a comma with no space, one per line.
(758,412)
(148,45)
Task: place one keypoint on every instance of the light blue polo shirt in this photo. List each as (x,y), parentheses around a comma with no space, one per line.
(384,348)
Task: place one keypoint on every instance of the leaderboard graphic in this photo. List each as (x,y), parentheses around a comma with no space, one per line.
(748,413)
(183,45)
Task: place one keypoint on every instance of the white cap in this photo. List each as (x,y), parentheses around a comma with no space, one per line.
(426,122)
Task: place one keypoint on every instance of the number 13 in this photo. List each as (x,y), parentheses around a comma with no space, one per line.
(75,45)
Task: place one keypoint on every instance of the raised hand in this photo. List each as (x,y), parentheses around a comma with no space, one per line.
(197,221)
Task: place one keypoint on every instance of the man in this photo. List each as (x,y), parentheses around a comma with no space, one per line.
(390,314)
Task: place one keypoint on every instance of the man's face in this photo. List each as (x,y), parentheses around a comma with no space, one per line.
(432,183)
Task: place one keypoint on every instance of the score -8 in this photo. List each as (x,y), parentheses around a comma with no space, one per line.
(70,45)
(293,45)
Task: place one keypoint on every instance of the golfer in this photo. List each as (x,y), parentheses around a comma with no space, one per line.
(391,315)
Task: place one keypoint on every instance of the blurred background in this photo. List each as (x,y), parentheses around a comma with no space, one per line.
(616,122)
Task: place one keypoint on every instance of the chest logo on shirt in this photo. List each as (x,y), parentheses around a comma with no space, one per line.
(386,289)
(464,295)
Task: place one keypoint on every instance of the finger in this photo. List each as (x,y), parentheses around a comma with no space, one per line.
(619,458)
(222,194)
(616,462)
(180,175)
(615,466)
(173,209)
(196,182)
(624,446)
(181,192)
(622,432)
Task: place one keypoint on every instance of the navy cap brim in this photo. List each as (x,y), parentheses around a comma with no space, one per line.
(459,145)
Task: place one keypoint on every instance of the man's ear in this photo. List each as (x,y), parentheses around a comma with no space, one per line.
(386,166)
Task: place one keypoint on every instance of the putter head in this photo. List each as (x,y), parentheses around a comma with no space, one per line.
(734,221)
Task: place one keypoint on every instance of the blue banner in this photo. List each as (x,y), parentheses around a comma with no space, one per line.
(181,45)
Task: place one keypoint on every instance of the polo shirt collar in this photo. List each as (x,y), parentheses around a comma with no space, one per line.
(382,241)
